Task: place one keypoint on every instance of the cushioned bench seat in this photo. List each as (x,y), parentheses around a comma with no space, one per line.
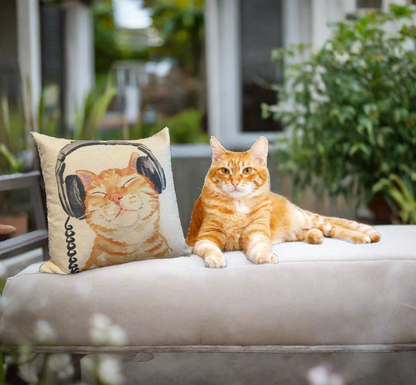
(331,294)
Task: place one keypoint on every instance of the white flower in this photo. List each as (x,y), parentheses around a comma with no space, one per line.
(275,108)
(44,333)
(313,106)
(25,353)
(301,109)
(61,365)
(362,63)
(398,52)
(117,336)
(289,84)
(322,375)
(109,370)
(408,45)
(88,363)
(318,98)
(356,47)
(299,88)
(320,69)
(28,373)
(308,68)
(300,120)
(319,82)
(342,58)
(102,332)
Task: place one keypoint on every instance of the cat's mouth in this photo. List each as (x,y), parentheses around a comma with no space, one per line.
(121,211)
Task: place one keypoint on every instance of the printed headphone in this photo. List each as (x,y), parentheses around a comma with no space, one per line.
(71,190)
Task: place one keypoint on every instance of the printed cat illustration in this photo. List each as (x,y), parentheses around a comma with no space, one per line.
(236,211)
(122,207)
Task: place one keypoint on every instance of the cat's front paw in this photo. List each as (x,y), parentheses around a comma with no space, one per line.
(215,260)
(262,258)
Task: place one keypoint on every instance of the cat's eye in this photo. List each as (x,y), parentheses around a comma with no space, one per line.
(224,170)
(130,180)
(247,170)
(98,193)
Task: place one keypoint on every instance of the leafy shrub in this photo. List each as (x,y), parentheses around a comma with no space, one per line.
(350,108)
(186,127)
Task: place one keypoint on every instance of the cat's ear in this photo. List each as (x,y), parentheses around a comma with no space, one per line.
(133,160)
(217,150)
(259,150)
(87,177)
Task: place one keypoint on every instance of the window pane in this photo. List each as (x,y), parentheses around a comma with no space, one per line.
(261,31)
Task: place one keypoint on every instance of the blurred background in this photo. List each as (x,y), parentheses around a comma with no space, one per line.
(339,110)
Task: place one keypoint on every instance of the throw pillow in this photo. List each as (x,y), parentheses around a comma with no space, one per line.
(109,202)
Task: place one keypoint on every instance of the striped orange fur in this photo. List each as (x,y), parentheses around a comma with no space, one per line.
(123,208)
(237,211)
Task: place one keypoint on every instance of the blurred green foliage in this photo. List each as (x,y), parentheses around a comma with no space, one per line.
(181,25)
(401,196)
(350,107)
(12,138)
(179,22)
(105,44)
(186,127)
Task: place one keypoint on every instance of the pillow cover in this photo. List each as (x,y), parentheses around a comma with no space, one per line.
(109,202)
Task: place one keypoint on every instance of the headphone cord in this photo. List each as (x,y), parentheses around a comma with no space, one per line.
(70,246)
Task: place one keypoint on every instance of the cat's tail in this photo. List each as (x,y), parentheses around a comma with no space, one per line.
(342,228)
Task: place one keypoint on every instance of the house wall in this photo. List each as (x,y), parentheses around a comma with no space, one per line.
(8,30)
(303,21)
(9,70)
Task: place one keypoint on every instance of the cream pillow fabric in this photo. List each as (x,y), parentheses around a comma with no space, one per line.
(109,202)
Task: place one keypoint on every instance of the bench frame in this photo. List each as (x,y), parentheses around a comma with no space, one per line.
(35,239)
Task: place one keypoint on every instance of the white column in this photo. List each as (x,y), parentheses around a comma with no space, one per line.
(223,69)
(325,11)
(79,56)
(231,85)
(212,53)
(291,23)
(319,21)
(28,35)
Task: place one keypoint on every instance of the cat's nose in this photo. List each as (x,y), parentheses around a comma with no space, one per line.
(116,198)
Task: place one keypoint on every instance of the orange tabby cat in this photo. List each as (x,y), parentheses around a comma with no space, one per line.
(236,211)
(122,207)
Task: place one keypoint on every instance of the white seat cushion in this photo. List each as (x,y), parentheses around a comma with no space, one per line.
(331,294)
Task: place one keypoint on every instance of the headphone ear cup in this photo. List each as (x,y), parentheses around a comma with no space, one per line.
(147,168)
(75,192)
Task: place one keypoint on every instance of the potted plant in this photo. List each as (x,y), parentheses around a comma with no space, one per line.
(350,107)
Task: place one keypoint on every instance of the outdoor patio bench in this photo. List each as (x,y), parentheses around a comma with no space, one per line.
(334,297)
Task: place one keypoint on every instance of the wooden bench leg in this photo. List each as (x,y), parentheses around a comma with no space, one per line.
(76,362)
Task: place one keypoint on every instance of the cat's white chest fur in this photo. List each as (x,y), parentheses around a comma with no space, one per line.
(242,207)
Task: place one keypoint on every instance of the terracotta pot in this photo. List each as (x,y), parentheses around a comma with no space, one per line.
(19,221)
(381,209)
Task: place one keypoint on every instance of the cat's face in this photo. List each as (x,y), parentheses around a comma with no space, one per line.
(239,174)
(118,198)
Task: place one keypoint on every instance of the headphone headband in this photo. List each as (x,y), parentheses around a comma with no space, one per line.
(155,174)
